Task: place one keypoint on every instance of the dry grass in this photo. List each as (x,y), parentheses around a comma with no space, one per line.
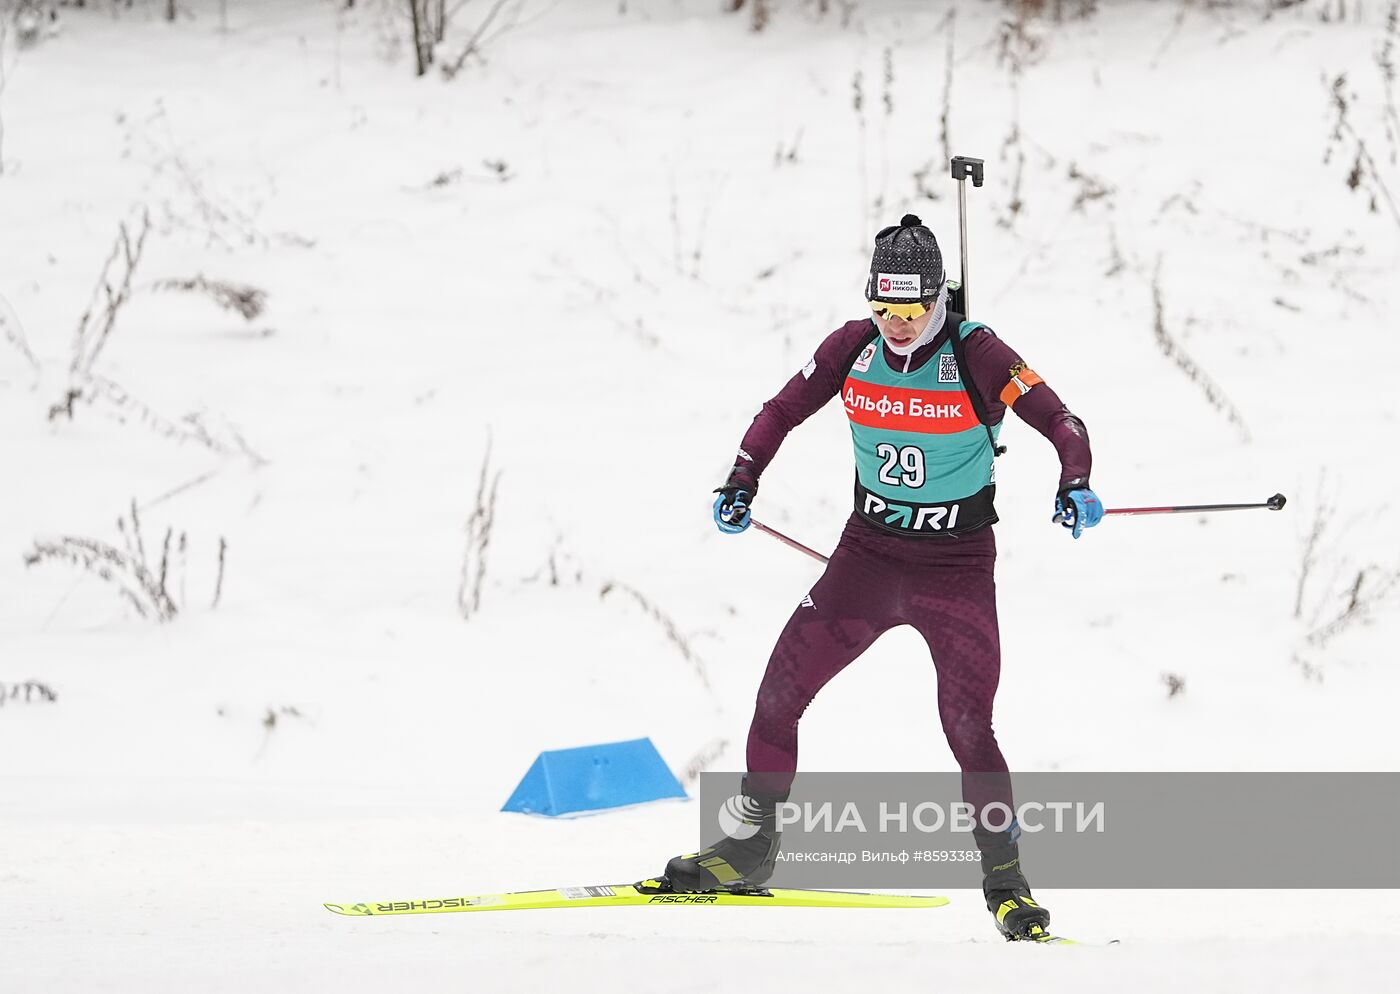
(1171,348)
(26,693)
(14,334)
(111,293)
(248,301)
(667,623)
(479,524)
(141,579)
(1338,590)
(702,760)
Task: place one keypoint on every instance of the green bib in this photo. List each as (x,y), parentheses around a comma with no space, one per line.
(923,460)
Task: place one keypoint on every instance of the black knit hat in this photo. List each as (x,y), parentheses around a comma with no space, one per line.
(907,264)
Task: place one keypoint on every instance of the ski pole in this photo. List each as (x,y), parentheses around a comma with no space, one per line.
(789,542)
(963,168)
(1274,503)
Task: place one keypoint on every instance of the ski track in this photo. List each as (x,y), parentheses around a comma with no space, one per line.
(609,315)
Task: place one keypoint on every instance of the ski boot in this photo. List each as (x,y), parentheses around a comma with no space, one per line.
(743,860)
(1009,898)
(1017,914)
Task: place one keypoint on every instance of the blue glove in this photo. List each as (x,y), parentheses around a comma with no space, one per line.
(732,505)
(1077,507)
(732,510)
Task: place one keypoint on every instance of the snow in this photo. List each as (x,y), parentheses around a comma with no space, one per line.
(598,315)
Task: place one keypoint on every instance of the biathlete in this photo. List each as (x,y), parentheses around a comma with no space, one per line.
(926,392)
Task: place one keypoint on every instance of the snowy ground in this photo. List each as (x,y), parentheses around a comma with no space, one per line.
(594,251)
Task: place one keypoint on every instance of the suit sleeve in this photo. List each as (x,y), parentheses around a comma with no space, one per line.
(802,396)
(1004,380)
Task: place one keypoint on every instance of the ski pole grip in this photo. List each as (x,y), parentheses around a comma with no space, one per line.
(965,167)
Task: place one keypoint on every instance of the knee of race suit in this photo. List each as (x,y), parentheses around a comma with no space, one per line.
(780,705)
(972,740)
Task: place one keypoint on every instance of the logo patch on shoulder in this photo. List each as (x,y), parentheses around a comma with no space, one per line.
(867,354)
(809,369)
(947,368)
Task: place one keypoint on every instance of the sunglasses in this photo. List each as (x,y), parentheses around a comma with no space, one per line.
(908,312)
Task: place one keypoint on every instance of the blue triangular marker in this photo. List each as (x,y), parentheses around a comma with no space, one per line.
(593,778)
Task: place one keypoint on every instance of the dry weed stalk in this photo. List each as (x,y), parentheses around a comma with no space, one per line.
(478,38)
(1364,165)
(479,524)
(950,24)
(1351,595)
(1214,395)
(668,625)
(702,760)
(246,300)
(95,326)
(94,329)
(1369,590)
(139,580)
(14,334)
(27,692)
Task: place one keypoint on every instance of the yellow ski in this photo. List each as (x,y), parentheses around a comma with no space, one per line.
(645,893)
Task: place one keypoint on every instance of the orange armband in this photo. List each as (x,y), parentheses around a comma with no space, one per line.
(1022,379)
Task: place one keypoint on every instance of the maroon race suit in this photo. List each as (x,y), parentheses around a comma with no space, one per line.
(942,585)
